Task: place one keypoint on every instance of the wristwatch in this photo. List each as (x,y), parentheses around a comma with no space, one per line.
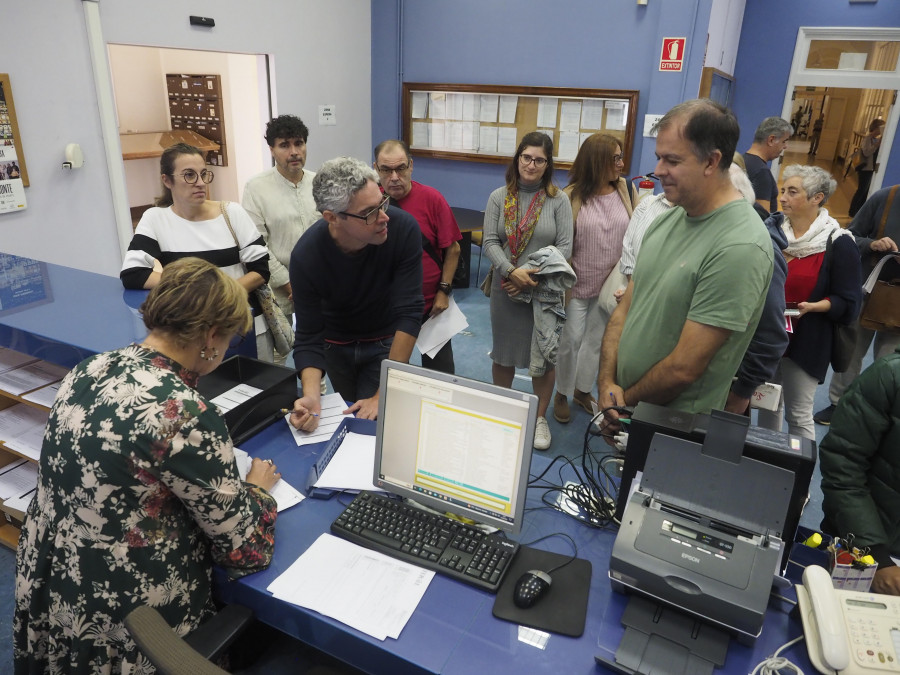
(445,287)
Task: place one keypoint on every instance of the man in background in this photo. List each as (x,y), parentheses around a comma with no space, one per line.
(280,202)
(873,242)
(700,282)
(356,276)
(769,142)
(440,234)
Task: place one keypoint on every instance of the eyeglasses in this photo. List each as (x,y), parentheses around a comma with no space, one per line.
(528,159)
(190,176)
(372,216)
(618,158)
(386,171)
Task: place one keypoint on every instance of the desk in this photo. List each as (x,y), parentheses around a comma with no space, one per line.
(469,221)
(452,630)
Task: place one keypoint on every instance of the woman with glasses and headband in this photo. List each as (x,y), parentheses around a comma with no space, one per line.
(139,494)
(602,203)
(523,216)
(184,222)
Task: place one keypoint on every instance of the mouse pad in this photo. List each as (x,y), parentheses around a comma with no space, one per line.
(563,607)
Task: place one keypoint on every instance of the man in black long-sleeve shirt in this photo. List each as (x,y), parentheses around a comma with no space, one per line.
(356,276)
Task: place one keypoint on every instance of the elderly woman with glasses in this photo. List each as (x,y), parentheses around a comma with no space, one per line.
(522,217)
(823,288)
(184,222)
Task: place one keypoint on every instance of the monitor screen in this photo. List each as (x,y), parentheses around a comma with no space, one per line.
(454,444)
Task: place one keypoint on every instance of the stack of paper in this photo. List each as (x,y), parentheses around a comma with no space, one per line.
(18,481)
(31,376)
(438,330)
(284,493)
(44,396)
(352,467)
(10,359)
(330,417)
(22,429)
(364,589)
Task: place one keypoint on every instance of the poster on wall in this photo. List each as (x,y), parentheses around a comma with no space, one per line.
(12,191)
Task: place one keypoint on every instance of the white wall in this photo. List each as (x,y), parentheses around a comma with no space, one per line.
(321,54)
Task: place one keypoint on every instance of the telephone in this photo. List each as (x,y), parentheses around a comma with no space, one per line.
(848,632)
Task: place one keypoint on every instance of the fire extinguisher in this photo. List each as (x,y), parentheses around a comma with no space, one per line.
(645,187)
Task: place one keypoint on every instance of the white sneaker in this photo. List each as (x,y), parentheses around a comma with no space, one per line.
(541,434)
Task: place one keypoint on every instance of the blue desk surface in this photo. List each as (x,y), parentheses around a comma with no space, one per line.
(453,629)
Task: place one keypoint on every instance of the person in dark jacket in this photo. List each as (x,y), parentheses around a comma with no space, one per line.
(824,285)
(860,464)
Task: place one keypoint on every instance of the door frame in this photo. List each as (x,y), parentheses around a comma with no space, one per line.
(801,76)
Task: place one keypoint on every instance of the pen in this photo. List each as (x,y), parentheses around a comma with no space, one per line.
(286,411)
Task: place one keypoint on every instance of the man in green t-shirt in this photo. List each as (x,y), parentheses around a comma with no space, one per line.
(700,281)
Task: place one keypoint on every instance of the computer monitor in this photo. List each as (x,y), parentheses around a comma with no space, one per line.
(453,444)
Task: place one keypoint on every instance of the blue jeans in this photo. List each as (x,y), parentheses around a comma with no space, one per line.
(355,368)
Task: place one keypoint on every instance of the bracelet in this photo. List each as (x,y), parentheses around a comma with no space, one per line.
(445,287)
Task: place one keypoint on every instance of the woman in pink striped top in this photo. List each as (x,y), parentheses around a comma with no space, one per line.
(602,202)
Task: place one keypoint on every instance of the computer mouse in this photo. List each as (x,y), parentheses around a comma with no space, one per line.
(530,588)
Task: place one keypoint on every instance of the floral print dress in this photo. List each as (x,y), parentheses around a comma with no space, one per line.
(138,497)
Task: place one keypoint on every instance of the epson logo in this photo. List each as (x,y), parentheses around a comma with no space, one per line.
(690,557)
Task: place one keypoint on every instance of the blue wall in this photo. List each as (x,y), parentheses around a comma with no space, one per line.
(766,50)
(576,43)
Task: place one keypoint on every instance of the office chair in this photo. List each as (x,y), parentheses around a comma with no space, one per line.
(191,655)
(478,240)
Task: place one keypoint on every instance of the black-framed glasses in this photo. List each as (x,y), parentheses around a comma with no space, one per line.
(386,171)
(618,158)
(372,216)
(528,159)
(190,176)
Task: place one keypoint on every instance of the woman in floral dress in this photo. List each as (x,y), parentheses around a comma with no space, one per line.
(138,495)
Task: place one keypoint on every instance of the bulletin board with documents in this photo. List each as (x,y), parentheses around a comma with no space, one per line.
(485,123)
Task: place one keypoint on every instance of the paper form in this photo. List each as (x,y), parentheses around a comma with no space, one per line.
(352,467)
(490,106)
(419,105)
(31,376)
(469,135)
(364,589)
(420,135)
(28,443)
(454,138)
(470,103)
(506,141)
(487,139)
(438,106)
(20,502)
(436,135)
(437,330)
(546,116)
(455,106)
(17,479)
(568,144)
(44,396)
(284,493)
(231,399)
(570,115)
(10,359)
(330,417)
(583,137)
(508,106)
(615,115)
(592,115)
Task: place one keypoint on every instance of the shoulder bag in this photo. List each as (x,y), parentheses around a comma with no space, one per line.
(881,308)
(282,333)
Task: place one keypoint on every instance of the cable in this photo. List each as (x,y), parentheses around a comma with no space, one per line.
(557,534)
(775,663)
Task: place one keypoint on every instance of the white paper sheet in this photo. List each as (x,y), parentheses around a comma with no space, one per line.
(508,106)
(10,359)
(487,139)
(615,115)
(569,115)
(31,376)
(330,417)
(284,493)
(437,330)
(17,479)
(568,144)
(490,106)
(352,467)
(592,115)
(20,502)
(44,396)
(547,107)
(231,399)
(364,589)
(419,105)
(421,135)
(506,141)
(438,106)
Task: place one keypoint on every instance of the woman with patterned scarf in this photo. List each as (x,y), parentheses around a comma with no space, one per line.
(523,216)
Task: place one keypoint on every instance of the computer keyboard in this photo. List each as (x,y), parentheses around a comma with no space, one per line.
(429,540)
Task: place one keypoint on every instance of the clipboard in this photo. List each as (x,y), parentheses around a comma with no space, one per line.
(357,426)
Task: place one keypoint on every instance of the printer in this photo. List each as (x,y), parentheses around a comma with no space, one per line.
(702,531)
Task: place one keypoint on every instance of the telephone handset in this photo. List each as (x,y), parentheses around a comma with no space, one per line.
(848,632)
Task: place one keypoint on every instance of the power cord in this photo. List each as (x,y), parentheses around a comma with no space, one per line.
(775,663)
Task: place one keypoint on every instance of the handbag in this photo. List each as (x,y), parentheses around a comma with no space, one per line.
(881,308)
(486,284)
(279,326)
